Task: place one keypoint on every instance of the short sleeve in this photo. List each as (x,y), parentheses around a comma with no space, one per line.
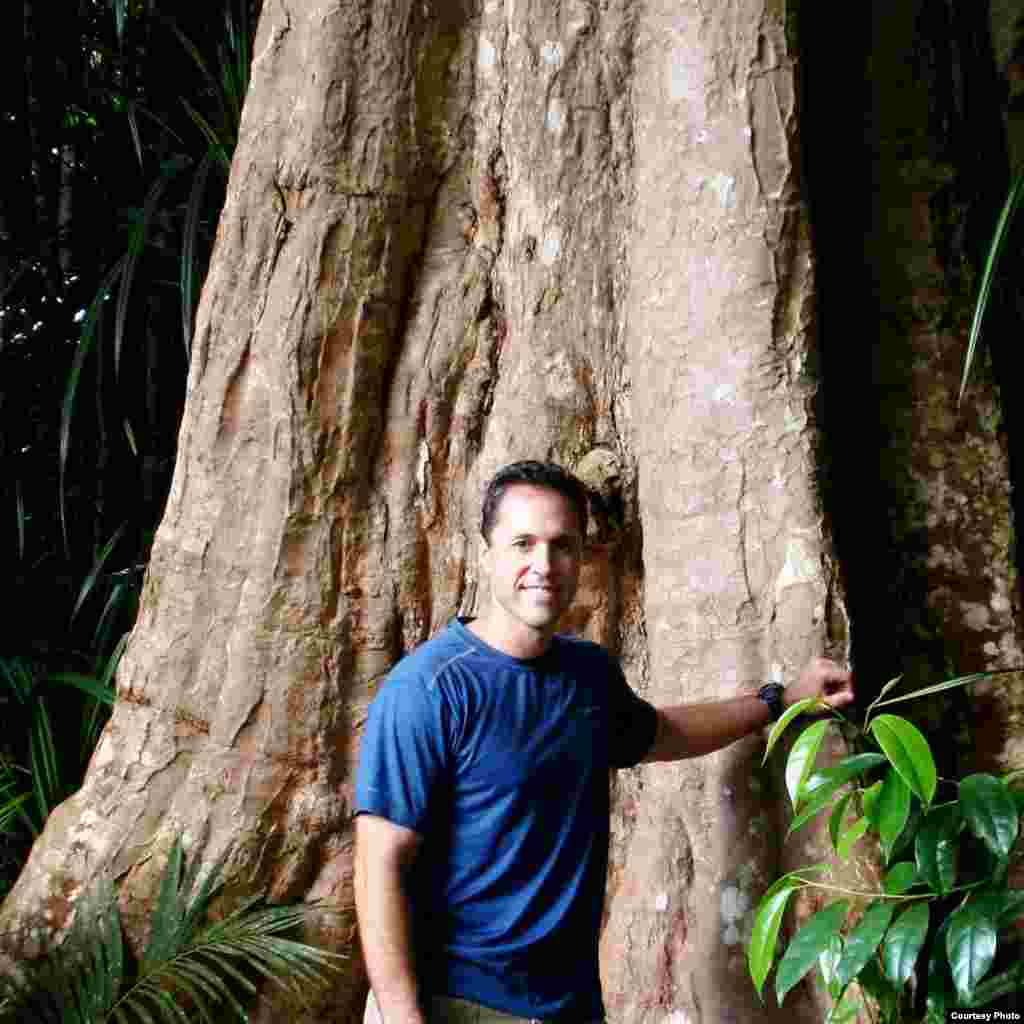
(403,753)
(633,723)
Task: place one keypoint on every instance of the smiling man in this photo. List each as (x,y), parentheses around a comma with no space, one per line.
(482,787)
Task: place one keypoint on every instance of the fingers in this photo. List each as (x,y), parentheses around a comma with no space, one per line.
(838,691)
(835,682)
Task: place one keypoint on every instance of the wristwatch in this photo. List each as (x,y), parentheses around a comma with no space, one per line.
(771,694)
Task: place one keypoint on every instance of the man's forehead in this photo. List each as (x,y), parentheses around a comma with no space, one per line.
(523,503)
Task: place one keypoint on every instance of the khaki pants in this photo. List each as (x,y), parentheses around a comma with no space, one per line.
(445,1010)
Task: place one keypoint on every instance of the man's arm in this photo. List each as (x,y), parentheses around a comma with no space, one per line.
(384,854)
(691,730)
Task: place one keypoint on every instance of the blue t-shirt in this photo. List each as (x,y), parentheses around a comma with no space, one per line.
(502,766)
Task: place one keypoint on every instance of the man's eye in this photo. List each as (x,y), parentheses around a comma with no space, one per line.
(521,545)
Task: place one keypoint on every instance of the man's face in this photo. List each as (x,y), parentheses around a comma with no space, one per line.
(533,559)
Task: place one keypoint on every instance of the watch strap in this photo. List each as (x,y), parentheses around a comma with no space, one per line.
(771,694)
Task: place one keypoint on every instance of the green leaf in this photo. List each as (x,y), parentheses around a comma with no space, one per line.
(846,1011)
(909,833)
(909,753)
(850,836)
(936,847)
(940,996)
(990,812)
(863,941)
(881,693)
(828,961)
(893,809)
(1010,780)
(820,787)
(835,821)
(900,877)
(989,902)
(876,984)
(1002,984)
(903,943)
(949,684)
(807,945)
(787,716)
(970,947)
(1013,906)
(765,932)
(869,801)
(801,758)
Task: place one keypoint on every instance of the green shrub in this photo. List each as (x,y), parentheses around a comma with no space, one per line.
(936,925)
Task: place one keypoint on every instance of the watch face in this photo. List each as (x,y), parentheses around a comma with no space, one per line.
(771,694)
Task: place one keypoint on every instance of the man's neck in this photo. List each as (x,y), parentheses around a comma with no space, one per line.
(513,639)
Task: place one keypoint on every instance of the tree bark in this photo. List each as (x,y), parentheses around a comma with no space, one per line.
(458,234)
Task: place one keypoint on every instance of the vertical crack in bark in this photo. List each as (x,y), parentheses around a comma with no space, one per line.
(748,608)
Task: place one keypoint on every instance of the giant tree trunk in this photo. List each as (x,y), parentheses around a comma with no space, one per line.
(458,234)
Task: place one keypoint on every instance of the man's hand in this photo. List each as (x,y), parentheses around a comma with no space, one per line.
(823,679)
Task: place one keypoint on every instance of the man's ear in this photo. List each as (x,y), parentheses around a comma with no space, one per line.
(486,557)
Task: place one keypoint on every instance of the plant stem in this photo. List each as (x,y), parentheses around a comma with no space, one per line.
(890,895)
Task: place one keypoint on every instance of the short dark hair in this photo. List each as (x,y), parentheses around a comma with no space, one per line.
(536,474)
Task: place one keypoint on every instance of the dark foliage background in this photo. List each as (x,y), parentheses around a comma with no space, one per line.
(117,120)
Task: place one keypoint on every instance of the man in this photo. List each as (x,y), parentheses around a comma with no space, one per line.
(482,788)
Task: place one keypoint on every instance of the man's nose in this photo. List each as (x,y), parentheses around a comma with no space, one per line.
(542,557)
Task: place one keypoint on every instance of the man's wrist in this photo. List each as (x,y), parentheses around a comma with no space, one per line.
(396,1010)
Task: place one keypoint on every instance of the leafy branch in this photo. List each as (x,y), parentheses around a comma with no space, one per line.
(938,917)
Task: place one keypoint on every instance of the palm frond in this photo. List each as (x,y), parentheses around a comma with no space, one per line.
(221,147)
(47,785)
(136,243)
(12,794)
(97,567)
(197,59)
(18,678)
(165,939)
(995,252)
(85,343)
(19,510)
(136,108)
(231,954)
(190,238)
(190,971)
(236,59)
(87,684)
(96,715)
(133,125)
(122,594)
(120,8)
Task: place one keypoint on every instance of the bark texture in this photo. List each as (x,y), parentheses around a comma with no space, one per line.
(459,233)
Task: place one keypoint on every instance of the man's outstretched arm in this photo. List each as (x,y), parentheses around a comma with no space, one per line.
(384,854)
(690,730)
